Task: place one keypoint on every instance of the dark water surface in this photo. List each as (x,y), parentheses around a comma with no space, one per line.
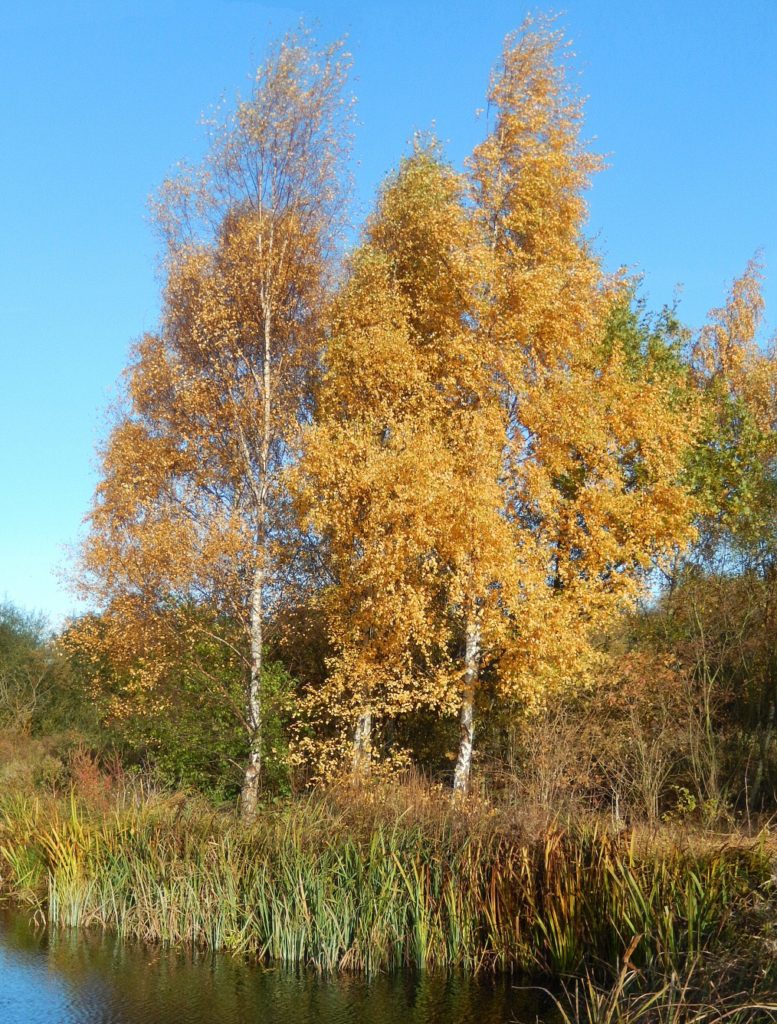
(68,977)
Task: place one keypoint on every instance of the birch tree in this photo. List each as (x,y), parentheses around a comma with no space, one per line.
(493,473)
(191,509)
(401,474)
(593,449)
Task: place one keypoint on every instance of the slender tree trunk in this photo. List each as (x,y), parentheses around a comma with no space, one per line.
(253,775)
(462,774)
(249,796)
(763,747)
(362,745)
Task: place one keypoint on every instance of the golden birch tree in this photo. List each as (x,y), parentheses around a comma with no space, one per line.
(594,445)
(491,471)
(493,474)
(401,472)
(191,509)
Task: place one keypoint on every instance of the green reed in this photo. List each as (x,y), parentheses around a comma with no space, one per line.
(312,884)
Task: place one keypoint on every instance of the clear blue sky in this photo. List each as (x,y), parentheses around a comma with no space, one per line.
(100,99)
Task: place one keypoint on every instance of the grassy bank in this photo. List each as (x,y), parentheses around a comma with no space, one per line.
(368,884)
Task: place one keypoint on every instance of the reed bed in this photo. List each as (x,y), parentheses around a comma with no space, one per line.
(317,884)
(676,999)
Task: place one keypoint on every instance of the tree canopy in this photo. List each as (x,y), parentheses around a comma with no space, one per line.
(445,466)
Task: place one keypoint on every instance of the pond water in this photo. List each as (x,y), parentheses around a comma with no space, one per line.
(68,977)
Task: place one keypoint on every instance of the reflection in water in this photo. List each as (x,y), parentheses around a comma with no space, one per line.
(89,978)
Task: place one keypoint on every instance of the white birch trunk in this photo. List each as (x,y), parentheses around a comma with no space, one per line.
(362,744)
(463,772)
(249,796)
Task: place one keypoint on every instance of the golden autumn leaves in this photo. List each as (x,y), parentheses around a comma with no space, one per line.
(489,479)
(192,509)
(448,454)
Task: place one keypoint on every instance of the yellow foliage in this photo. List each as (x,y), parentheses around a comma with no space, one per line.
(483,466)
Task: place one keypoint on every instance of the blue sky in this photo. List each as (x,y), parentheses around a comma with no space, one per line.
(100,100)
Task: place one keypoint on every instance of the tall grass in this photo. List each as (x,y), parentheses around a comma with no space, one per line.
(676,999)
(339,889)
